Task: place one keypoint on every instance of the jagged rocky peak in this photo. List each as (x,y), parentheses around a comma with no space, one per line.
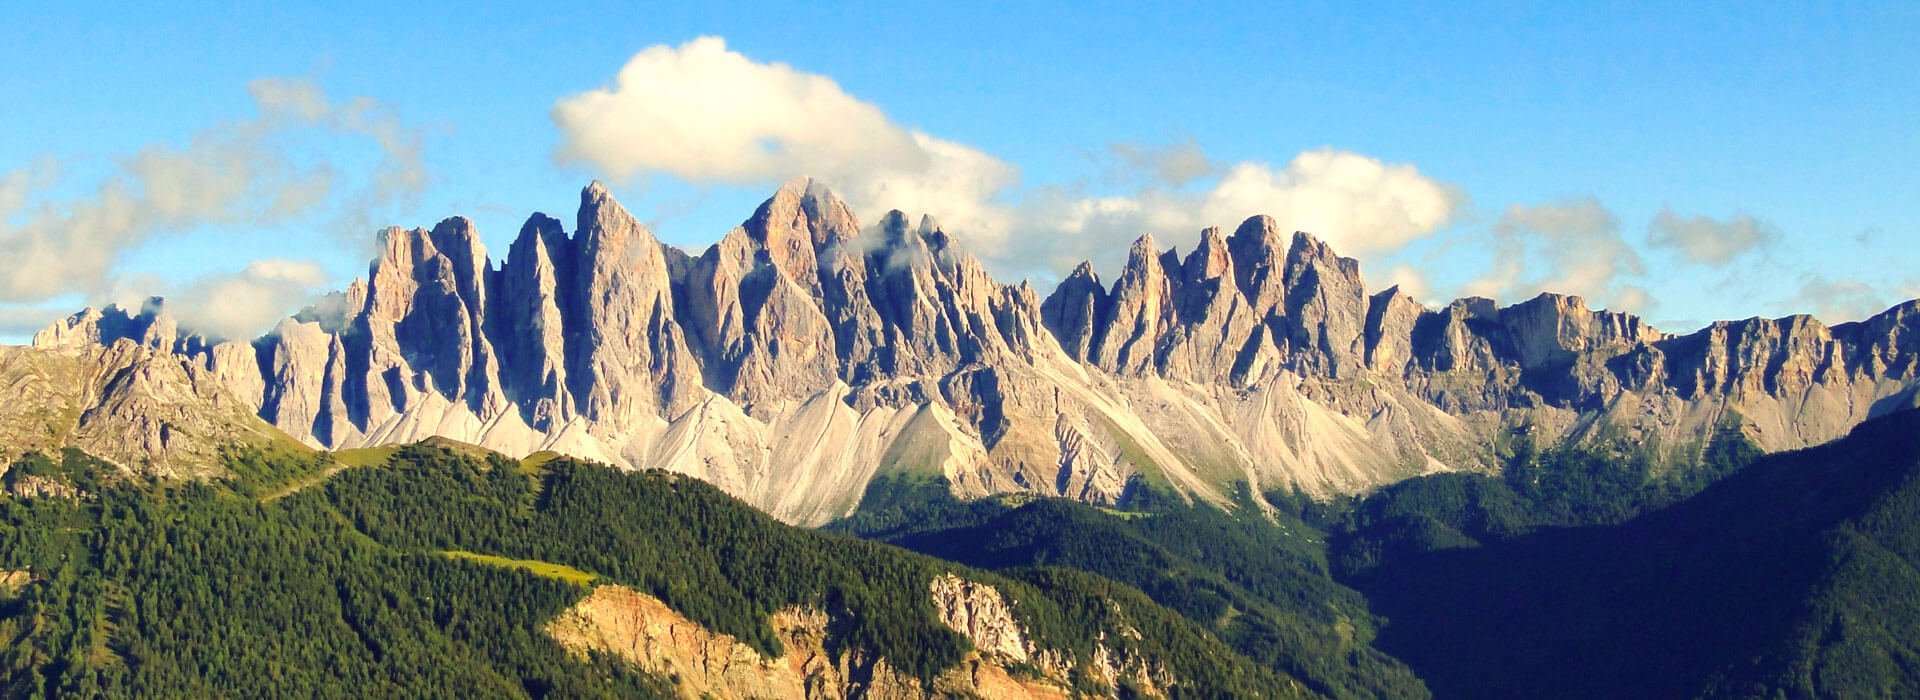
(1140,310)
(1259,254)
(1325,302)
(1210,260)
(1307,250)
(637,365)
(797,224)
(800,355)
(150,327)
(530,324)
(1392,318)
(605,229)
(1076,310)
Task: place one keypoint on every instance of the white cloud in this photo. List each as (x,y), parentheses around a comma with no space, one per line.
(1410,281)
(1358,204)
(1572,247)
(1708,241)
(243,304)
(708,115)
(235,173)
(1836,300)
(1355,203)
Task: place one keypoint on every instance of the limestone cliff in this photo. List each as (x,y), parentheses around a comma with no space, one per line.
(801,355)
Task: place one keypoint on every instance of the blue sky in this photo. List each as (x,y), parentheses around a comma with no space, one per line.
(1528,146)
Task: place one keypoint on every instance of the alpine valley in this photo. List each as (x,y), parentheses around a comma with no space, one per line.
(822,459)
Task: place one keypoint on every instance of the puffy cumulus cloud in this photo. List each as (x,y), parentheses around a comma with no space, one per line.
(960,187)
(1571,247)
(1358,204)
(243,304)
(231,174)
(1836,300)
(1708,241)
(709,115)
(1355,203)
(706,114)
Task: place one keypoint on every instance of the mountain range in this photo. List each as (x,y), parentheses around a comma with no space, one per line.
(803,355)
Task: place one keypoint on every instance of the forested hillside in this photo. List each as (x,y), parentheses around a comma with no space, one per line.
(1793,577)
(1258,580)
(387,580)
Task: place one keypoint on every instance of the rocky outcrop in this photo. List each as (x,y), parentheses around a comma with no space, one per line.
(152,413)
(977,611)
(701,663)
(1004,661)
(800,356)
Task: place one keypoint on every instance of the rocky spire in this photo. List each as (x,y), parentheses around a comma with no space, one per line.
(530,322)
(1326,308)
(1259,258)
(633,364)
(1220,337)
(1076,311)
(1141,310)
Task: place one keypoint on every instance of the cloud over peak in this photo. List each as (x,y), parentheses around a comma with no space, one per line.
(709,115)
(1570,247)
(706,114)
(237,173)
(238,304)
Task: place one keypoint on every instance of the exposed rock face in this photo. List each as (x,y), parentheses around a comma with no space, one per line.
(977,611)
(153,413)
(1003,664)
(800,355)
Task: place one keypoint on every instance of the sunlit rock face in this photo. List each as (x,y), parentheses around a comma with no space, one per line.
(802,355)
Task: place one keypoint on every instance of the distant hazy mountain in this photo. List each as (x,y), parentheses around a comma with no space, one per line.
(802,355)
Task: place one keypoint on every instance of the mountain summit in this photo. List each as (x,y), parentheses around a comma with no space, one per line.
(800,356)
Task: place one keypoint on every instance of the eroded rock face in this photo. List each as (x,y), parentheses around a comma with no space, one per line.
(800,356)
(1004,661)
(978,612)
(153,413)
(705,664)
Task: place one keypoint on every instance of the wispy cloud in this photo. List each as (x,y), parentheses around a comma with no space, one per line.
(1836,300)
(233,174)
(226,305)
(1708,241)
(1173,164)
(1569,247)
